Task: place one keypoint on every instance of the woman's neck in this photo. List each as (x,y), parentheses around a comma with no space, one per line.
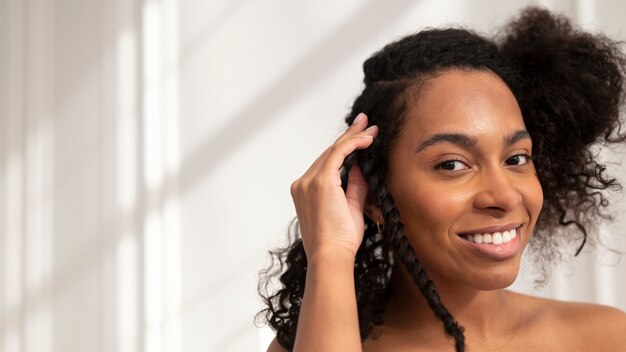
(485,315)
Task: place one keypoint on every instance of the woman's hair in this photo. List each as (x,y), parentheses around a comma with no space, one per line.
(569,86)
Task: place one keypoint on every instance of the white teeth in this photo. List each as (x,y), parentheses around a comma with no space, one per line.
(495,238)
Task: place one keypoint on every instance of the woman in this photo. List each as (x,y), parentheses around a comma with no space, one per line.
(460,152)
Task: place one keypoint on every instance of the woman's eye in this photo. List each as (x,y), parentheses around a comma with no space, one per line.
(519,159)
(452,165)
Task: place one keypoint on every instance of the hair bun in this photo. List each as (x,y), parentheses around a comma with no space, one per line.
(571,81)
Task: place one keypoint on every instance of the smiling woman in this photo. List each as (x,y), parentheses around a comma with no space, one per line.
(477,183)
(474,150)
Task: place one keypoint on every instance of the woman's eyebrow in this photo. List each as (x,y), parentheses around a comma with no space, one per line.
(468,142)
(460,139)
(516,137)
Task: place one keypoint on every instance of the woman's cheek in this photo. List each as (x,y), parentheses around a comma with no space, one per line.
(533,197)
(432,208)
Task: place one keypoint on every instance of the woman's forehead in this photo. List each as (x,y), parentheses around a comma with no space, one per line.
(471,102)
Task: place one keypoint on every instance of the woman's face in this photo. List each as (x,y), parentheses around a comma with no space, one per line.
(459,166)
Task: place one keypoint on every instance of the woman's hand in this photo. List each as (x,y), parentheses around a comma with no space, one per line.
(331,220)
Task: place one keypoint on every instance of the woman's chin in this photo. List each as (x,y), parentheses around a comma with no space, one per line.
(495,281)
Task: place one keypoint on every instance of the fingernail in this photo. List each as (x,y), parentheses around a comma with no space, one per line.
(371,128)
(359,117)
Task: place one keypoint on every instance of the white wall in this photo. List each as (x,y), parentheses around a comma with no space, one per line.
(148,146)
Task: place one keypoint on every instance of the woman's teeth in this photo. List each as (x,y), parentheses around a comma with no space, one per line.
(494,238)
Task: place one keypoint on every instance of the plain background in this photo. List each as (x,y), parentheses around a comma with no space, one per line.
(147,149)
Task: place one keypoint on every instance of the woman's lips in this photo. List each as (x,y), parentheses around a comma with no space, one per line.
(501,251)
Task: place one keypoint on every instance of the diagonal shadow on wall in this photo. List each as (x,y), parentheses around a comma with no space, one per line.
(293,84)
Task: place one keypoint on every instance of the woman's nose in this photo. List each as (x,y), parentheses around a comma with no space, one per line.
(497,191)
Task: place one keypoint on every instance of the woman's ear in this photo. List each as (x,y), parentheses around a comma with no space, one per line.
(371,210)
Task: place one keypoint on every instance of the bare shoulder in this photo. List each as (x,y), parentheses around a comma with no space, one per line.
(275,347)
(603,326)
(587,326)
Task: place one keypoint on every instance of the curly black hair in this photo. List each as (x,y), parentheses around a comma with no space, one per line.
(569,86)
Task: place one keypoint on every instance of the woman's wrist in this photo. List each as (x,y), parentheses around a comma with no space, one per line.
(336,257)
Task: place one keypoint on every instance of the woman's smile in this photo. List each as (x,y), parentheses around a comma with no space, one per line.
(497,245)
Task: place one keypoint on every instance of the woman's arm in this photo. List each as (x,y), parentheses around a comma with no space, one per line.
(328,317)
(331,224)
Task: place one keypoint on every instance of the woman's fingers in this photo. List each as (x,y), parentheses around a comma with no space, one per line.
(340,151)
(357,189)
(358,125)
(331,160)
(355,130)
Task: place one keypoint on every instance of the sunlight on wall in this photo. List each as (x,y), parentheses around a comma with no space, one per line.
(151,33)
(126,121)
(155,283)
(38,237)
(152,240)
(126,191)
(171,208)
(161,163)
(126,293)
(172,333)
